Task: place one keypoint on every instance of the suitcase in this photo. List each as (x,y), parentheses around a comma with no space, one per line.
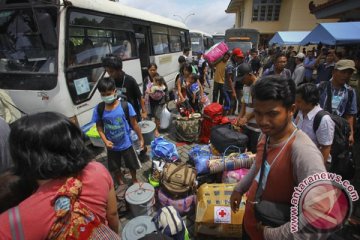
(224,136)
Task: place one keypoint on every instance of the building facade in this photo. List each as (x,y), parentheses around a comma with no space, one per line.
(270,16)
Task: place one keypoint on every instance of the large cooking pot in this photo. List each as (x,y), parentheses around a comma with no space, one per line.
(148,131)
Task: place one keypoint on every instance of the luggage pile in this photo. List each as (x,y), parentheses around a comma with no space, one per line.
(175,180)
(205,182)
(174,183)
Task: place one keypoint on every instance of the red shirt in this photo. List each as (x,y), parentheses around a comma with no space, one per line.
(37,214)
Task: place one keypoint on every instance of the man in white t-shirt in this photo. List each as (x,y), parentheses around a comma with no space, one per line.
(307,102)
(246,118)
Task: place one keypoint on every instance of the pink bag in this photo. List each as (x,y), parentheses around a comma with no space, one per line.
(216,52)
(234,176)
(181,205)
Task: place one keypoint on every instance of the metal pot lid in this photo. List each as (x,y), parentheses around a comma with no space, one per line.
(195,115)
(147,126)
(139,193)
(138,228)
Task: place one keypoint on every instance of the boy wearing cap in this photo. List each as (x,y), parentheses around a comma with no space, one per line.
(246,118)
(343,98)
(299,72)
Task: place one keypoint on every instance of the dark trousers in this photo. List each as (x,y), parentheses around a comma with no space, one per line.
(218,89)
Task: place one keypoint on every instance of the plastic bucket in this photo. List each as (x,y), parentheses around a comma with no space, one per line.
(141,200)
(148,131)
(138,228)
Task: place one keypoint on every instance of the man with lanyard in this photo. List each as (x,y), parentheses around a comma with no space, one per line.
(343,98)
(126,85)
(282,158)
(278,68)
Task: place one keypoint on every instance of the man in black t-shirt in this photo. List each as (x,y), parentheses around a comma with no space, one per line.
(126,85)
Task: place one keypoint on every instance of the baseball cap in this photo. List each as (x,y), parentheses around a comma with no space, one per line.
(300,55)
(345,64)
(237,52)
(244,68)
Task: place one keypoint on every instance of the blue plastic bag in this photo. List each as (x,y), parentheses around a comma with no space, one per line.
(200,154)
(162,149)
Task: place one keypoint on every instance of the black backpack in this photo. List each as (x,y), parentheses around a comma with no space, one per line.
(124,105)
(341,153)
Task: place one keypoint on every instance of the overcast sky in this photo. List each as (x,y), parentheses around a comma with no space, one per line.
(209,15)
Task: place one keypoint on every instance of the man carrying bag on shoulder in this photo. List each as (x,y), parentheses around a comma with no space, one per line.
(285,157)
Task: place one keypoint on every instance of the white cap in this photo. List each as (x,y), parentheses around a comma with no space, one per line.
(300,55)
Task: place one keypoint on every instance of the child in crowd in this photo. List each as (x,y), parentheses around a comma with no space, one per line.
(195,91)
(114,130)
(158,94)
(157,88)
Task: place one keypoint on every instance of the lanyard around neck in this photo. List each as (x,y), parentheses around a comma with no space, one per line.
(264,158)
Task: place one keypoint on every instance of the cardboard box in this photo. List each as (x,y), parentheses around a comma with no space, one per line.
(213,212)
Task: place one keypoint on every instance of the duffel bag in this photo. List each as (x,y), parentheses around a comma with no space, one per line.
(223,136)
(187,129)
(183,205)
(178,179)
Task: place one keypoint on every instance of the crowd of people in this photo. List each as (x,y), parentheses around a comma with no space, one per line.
(277,99)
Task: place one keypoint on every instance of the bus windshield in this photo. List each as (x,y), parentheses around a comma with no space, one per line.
(196,42)
(244,46)
(24,46)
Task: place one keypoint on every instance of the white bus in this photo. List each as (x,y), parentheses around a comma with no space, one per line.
(200,41)
(51,50)
(218,37)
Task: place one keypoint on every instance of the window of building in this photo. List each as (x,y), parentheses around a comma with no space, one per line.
(266,10)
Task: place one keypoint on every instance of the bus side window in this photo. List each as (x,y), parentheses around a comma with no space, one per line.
(127,50)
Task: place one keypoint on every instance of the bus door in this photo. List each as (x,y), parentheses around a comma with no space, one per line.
(142,41)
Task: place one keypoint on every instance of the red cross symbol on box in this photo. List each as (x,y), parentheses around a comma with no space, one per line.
(222,213)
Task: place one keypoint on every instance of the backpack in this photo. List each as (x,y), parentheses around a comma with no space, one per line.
(169,222)
(124,105)
(74,220)
(213,115)
(178,180)
(342,162)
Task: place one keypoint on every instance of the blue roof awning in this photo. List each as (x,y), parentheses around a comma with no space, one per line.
(288,37)
(334,34)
